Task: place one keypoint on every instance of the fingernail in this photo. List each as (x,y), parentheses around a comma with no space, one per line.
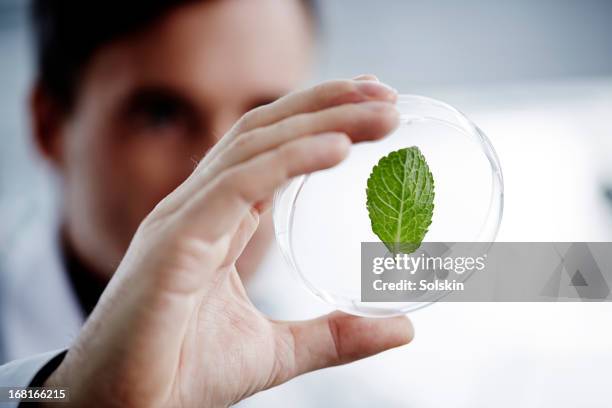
(376,90)
(366,77)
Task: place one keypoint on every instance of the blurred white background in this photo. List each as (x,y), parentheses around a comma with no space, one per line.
(536,76)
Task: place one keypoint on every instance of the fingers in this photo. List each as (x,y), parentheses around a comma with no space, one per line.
(336,339)
(228,198)
(325,95)
(362,121)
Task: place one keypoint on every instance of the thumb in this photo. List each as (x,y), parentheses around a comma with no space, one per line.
(337,338)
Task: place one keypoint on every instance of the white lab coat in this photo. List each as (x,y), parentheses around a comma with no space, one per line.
(39,311)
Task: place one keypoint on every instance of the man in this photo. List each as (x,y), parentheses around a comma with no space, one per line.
(128,97)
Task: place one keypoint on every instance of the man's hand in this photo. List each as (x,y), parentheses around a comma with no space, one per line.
(174,327)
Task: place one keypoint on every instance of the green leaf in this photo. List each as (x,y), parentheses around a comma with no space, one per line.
(400,196)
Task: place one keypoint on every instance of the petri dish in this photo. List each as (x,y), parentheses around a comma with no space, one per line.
(321,219)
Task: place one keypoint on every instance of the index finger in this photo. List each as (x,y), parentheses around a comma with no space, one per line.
(322,96)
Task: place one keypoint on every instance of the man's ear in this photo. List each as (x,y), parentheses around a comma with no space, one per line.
(47,119)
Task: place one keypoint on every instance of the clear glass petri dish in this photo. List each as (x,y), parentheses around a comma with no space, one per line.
(321,219)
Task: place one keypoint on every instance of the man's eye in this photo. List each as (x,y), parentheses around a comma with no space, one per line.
(158,112)
(161,114)
(155,111)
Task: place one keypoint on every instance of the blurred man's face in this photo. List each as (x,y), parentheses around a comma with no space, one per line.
(152,104)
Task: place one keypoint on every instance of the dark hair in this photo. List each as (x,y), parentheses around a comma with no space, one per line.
(67,33)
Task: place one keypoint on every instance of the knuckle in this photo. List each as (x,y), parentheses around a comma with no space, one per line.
(335,89)
(346,88)
(288,154)
(353,110)
(251,118)
(337,354)
(236,183)
(350,113)
(322,89)
(244,139)
(295,124)
(227,181)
